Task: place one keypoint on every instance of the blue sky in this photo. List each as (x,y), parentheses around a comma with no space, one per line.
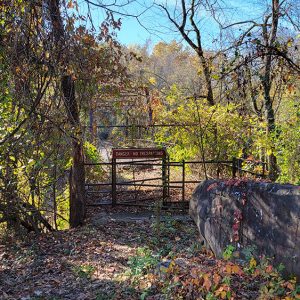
(157,28)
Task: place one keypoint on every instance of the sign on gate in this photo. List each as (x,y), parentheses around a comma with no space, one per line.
(138,153)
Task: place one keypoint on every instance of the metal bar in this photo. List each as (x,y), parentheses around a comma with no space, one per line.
(209,162)
(179,164)
(187,181)
(164,177)
(175,208)
(254,162)
(97,164)
(172,163)
(97,204)
(141,180)
(139,161)
(139,184)
(137,164)
(98,192)
(142,199)
(176,186)
(183,180)
(239,166)
(133,204)
(250,172)
(113,182)
(168,176)
(97,184)
(128,191)
(234,167)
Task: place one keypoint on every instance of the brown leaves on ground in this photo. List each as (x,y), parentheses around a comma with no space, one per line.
(98,263)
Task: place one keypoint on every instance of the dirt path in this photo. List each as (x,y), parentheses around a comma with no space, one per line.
(130,255)
(83,263)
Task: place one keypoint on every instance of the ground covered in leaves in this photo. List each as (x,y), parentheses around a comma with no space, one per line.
(138,259)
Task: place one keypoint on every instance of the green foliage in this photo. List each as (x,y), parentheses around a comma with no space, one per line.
(220,130)
(228,252)
(143,261)
(287,144)
(249,252)
(92,155)
(84,271)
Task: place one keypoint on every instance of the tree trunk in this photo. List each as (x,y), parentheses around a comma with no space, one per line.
(267,84)
(207,76)
(77,176)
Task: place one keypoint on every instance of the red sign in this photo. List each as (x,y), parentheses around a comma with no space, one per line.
(138,153)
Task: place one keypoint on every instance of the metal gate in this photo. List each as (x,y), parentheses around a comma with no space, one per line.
(143,176)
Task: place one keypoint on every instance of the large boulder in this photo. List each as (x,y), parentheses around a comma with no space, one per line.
(249,213)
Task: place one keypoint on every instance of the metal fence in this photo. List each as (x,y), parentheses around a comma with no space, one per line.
(169,181)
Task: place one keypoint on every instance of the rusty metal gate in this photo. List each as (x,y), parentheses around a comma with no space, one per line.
(143,176)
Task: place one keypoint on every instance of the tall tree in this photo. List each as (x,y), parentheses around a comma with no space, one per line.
(183,17)
(265,51)
(77,175)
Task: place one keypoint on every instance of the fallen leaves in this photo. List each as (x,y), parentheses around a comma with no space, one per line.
(90,263)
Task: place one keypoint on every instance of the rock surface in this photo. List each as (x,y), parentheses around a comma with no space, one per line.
(247,214)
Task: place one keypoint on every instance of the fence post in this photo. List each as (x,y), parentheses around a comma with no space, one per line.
(168,179)
(264,170)
(239,166)
(113,182)
(183,180)
(164,183)
(234,167)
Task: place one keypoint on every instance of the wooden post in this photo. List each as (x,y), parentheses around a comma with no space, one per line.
(113,182)
(183,180)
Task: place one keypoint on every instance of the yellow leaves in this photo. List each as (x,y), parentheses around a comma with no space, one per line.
(290,42)
(252,263)
(222,291)
(47,54)
(196,282)
(18,70)
(152,80)
(207,282)
(233,269)
(236,270)
(147,281)
(216,279)
(215,76)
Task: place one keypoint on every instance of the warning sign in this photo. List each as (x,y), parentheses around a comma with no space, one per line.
(138,153)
